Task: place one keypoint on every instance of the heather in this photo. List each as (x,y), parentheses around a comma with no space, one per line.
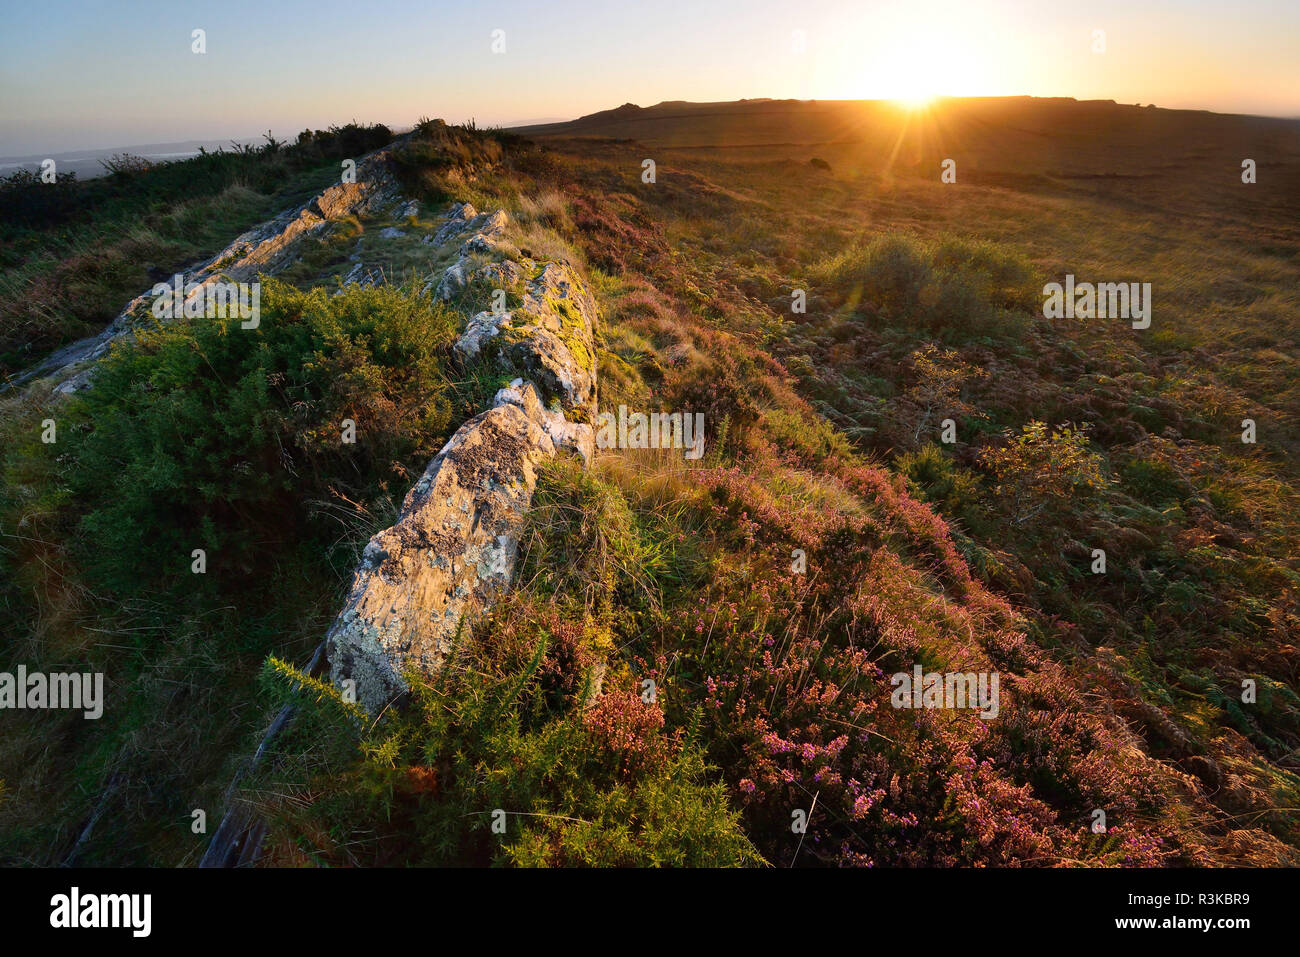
(917,469)
(1070,437)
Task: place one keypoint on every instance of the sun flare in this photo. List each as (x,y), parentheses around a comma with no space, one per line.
(918,100)
(913,64)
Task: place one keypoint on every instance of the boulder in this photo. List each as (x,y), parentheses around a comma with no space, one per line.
(452,550)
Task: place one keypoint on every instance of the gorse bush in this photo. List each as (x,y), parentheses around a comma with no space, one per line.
(219,437)
(487,766)
(934,476)
(200,434)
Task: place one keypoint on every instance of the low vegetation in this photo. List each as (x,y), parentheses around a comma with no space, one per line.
(74,252)
(916,468)
(201,435)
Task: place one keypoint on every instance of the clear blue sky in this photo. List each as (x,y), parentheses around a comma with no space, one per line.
(100,74)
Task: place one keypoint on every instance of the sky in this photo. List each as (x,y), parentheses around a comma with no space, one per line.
(94,75)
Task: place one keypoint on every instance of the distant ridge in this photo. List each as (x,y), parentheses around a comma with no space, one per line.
(970,125)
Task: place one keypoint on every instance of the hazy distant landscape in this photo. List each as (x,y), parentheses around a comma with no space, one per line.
(87,164)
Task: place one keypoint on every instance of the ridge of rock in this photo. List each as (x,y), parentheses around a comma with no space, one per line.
(455,544)
(266,248)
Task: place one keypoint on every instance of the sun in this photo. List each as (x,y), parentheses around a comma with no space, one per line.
(918,100)
(914,64)
(916,72)
(910,76)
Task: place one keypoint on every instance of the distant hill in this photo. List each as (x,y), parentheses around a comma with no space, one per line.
(680,124)
(1020,142)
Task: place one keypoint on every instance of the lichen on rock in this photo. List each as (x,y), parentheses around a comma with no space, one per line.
(548,339)
(453,548)
(456,541)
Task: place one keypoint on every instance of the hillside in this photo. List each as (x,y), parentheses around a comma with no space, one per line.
(569,653)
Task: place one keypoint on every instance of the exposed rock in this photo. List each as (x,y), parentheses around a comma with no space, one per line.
(508,274)
(482,327)
(484,246)
(548,339)
(456,540)
(265,249)
(486,231)
(452,550)
(359,275)
(576,438)
(457,220)
(452,281)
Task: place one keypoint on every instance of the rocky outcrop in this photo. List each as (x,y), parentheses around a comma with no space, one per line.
(485,240)
(453,548)
(548,337)
(455,544)
(265,249)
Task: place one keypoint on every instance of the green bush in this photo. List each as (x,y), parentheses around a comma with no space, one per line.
(1049,475)
(510,724)
(566,785)
(937,479)
(889,272)
(206,435)
(965,288)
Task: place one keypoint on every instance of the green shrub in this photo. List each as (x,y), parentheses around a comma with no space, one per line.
(956,491)
(969,289)
(1047,475)
(889,272)
(206,435)
(566,785)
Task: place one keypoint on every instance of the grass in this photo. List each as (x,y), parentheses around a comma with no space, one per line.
(828,538)
(72,254)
